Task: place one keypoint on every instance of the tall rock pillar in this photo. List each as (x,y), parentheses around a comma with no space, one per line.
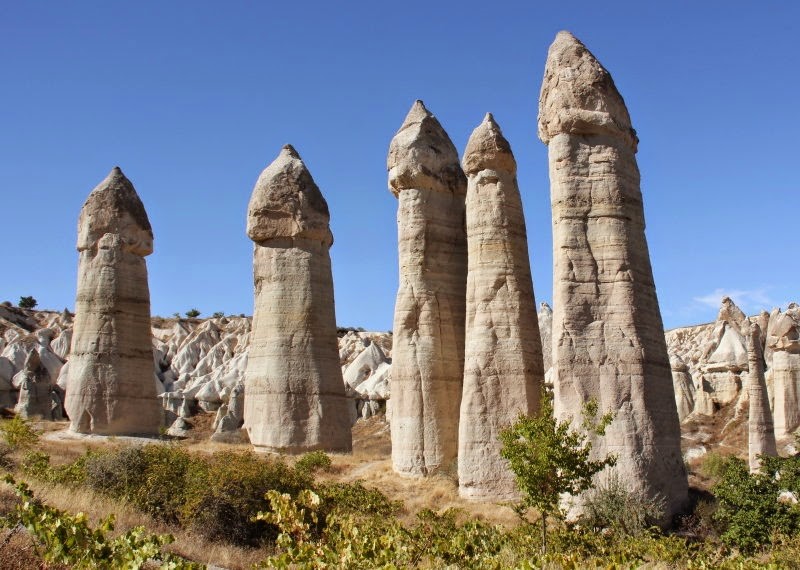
(503,370)
(608,337)
(112,388)
(760,427)
(428,341)
(294,392)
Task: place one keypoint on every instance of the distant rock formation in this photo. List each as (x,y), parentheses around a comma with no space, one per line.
(683,386)
(294,393)
(427,370)
(761,429)
(783,341)
(111,388)
(35,387)
(503,370)
(608,338)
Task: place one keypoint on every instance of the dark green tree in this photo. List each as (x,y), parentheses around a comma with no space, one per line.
(27,303)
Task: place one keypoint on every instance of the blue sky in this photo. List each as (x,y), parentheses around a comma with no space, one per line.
(193,99)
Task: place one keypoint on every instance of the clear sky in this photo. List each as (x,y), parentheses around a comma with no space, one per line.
(193,99)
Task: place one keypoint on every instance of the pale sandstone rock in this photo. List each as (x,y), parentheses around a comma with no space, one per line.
(784,342)
(760,427)
(608,338)
(428,352)
(503,369)
(111,389)
(294,393)
(545,317)
(35,385)
(683,385)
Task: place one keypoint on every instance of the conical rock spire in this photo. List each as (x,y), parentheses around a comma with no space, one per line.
(422,156)
(114,207)
(487,148)
(579,96)
(286,202)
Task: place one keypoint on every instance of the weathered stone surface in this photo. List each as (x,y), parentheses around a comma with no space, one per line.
(294,392)
(111,389)
(683,386)
(608,339)
(760,427)
(545,317)
(784,342)
(503,368)
(35,386)
(428,352)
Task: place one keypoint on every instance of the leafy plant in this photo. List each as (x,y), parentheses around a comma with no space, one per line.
(611,505)
(549,458)
(18,433)
(27,303)
(192,313)
(314,461)
(217,315)
(69,539)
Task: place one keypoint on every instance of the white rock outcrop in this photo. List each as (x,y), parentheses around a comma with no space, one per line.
(428,352)
(608,338)
(503,368)
(761,428)
(294,393)
(110,389)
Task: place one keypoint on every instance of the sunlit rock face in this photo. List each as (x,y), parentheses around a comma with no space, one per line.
(294,397)
(503,370)
(760,427)
(783,341)
(111,388)
(608,338)
(428,351)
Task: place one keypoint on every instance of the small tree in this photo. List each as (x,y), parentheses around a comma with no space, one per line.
(217,315)
(549,458)
(27,303)
(192,313)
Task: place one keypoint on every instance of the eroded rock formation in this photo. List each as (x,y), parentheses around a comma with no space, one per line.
(608,339)
(784,343)
(761,429)
(111,387)
(294,392)
(428,354)
(503,370)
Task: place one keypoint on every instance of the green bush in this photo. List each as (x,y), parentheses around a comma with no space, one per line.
(748,512)
(27,302)
(18,433)
(224,492)
(36,464)
(313,461)
(357,499)
(150,477)
(68,539)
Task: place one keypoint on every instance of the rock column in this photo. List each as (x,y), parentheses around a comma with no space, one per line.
(428,341)
(784,342)
(111,388)
(760,427)
(503,370)
(294,392)
(608,337)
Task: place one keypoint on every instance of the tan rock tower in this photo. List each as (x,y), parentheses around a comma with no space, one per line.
(608,337)
(503,370)
(428,343)
(112,388)
(760,427)
(294,392)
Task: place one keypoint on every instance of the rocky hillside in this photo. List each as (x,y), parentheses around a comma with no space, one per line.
(198,365)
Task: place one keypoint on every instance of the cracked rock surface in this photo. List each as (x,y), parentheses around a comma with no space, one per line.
(294,397)
(428,341)
(503,369)
(111,389)
(608,339)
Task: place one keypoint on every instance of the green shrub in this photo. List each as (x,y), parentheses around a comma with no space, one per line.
(18,433)
(28,302)
(224,492)
(748,513)
(314,461)
(610,505)
(150,477)
(36,464)
(68,539)
(357,499)
(714,465)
